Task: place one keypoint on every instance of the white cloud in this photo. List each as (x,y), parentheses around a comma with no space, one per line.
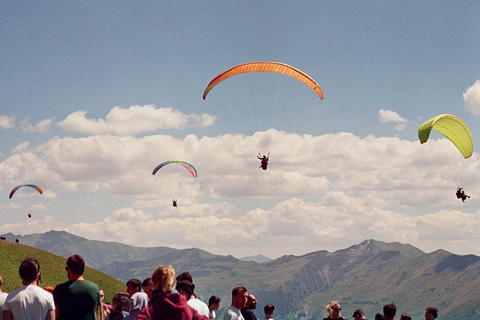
(392,116)
(40,127)
(7,122)
(471,97)
(333,189)
(134,120)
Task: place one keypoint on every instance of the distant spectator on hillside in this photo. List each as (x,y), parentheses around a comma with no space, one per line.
(29,301)
(247,312)
(239,300)
(389,311)
(359,315)
(186,288)
(333,311)
(213,305)
(77,298)
(147,286)
(167,303)
(405,317)
(431,313)
(3,297)
(269,310)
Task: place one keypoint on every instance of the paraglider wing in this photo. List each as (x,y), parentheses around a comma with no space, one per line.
(452,128)
(184,164)
(34,186)
(275,67)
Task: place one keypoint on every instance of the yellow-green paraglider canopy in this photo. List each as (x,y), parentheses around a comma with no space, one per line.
(452,128)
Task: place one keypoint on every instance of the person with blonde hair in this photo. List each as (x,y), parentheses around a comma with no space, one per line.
(167,303)
(333,311)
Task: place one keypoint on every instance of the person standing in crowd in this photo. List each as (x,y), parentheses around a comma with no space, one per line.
(359,315)
(29,302)
(77,298)
(431,313)
(167,303)
(239,300)
(147,286)
(3,297)
(120,305)
(405,317)
(269,310)
(186,288)
(379,316)
(247,312)
(389,311)
(213,305)
(333,311)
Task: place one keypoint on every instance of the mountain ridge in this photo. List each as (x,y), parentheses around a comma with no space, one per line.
(366,275)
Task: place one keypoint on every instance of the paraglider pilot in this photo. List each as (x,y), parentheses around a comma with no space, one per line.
(264,161)
(461,194)
(174,203)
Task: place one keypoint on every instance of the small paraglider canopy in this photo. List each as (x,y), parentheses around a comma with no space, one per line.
(184,164)
(452,128)
(34,186)
(274,67)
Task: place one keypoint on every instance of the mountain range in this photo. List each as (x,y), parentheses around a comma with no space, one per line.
(366,276)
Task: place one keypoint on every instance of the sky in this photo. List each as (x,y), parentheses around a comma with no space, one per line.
(95,94)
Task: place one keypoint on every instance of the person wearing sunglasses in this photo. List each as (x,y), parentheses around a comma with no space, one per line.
(333,311)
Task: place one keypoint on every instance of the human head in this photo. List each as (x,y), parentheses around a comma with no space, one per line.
(147,286)
(163,278)
(405,317)
(76,264)
(431,313)
(358,314)
(213,303)
(133,286)
(251,302)
(269,310)
(185,284)
(239,297)
(102,295)
(29,270)
(389,311)
(120,302)
(333,310)
(379,316)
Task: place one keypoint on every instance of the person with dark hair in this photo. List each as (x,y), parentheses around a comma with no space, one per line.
(186,288)
(29,301)
(269,310)
(405,316)
(239,300)
(120,306)
(133,286)
(358,314)
(431,313)
(167,303)
(213,305)
(147,286)
(77,298)
(389,311)
(379,316)
(247,312)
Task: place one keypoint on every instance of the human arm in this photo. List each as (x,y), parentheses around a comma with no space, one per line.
(50,315)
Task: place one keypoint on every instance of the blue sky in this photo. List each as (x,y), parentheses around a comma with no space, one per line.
(96,94)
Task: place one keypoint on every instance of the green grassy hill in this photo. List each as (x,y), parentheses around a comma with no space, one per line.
(52,269)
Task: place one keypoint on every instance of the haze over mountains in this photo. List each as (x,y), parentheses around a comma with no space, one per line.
(366,275)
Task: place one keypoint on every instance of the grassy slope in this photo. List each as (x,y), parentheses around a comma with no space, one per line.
(52,269)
